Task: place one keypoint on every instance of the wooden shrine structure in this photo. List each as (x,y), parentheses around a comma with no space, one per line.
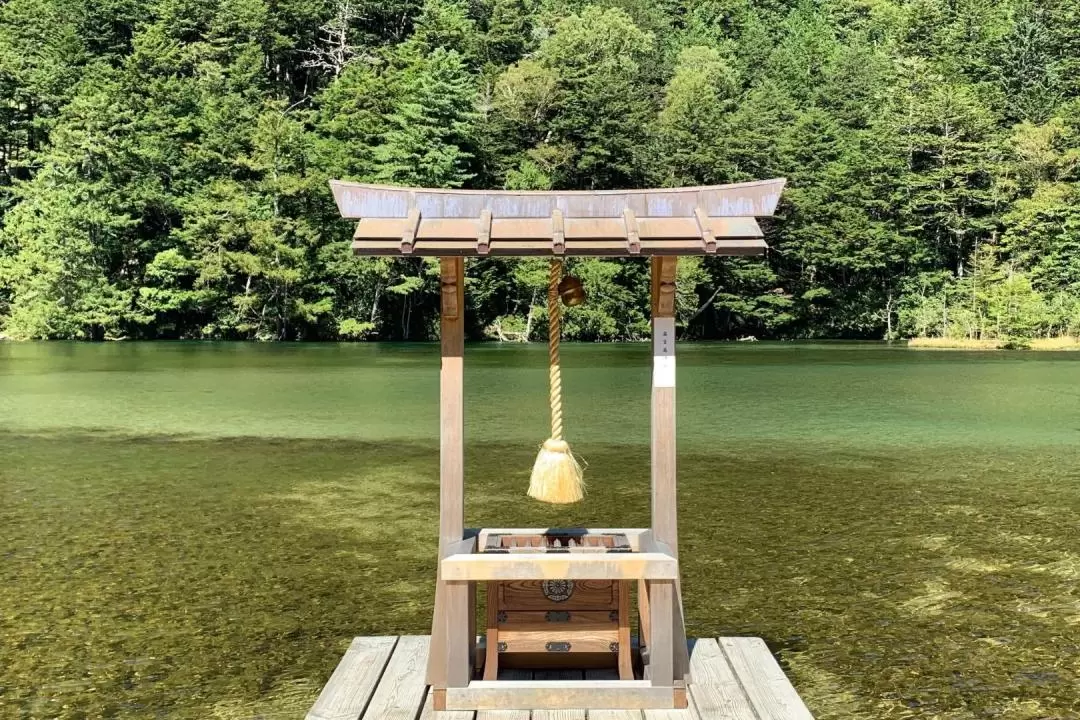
(556,599)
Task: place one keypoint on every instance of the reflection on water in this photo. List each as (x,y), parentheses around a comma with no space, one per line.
(196,531)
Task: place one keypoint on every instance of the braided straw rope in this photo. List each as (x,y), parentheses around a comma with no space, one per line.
(556,475)
(554,331)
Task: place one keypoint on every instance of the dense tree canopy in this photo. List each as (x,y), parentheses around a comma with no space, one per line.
(163,163)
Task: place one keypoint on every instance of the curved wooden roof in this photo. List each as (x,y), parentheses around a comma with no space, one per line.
(718,219)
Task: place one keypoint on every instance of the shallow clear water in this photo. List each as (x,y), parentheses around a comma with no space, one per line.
(196,530)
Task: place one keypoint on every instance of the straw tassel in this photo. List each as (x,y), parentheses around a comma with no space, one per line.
(556,474)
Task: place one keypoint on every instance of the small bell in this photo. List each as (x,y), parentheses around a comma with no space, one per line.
(571,291)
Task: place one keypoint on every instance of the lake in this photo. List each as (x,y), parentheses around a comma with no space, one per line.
(197,530)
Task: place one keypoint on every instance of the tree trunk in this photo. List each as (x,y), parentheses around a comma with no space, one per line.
(529,317)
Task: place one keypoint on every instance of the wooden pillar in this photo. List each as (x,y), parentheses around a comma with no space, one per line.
(451,403)
(665,521)
(449,661)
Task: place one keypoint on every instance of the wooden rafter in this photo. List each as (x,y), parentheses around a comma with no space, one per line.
(483,238)
(708,239)
(633,239)
(558,233)
(408,233)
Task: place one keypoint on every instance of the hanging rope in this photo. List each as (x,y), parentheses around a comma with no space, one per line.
(556,474)
(554,332)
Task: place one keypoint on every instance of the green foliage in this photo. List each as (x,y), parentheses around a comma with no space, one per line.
(429,131)
(163,165)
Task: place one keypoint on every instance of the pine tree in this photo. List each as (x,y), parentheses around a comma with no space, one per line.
(429,133)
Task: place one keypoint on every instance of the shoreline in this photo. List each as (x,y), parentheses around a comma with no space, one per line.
(1054,344)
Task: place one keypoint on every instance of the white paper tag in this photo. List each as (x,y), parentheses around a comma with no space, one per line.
(664,352)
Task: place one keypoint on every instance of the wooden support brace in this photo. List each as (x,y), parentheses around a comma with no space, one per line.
(633,238)
(483,235)
(408,236)
(708,240)
(558,232)
(644,613)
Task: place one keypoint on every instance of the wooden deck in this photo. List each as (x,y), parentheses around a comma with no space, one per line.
(382,678)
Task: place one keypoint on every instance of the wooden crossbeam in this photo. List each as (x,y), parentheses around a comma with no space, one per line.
(559,695)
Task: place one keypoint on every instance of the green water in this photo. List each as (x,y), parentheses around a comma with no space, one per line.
(197,530)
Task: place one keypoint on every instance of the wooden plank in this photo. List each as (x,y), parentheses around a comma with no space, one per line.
(459,643)
(512,674)
(577,248)
(401,690)
(363,200)
(429,712)
(689,713)
(615,714)
(385,229)
(559,566)
(564,714)
(769,690)
(609,674)
(464,232)
(491,637)
(643,611)
(592,639)
(681,659)
(735,228)
(626,665)
(535,620)
(716,692)
(473,639)
(661,597)
(559,695)
(520,597)
(353,682)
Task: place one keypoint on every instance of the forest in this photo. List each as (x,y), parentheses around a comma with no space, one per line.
(164,163)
